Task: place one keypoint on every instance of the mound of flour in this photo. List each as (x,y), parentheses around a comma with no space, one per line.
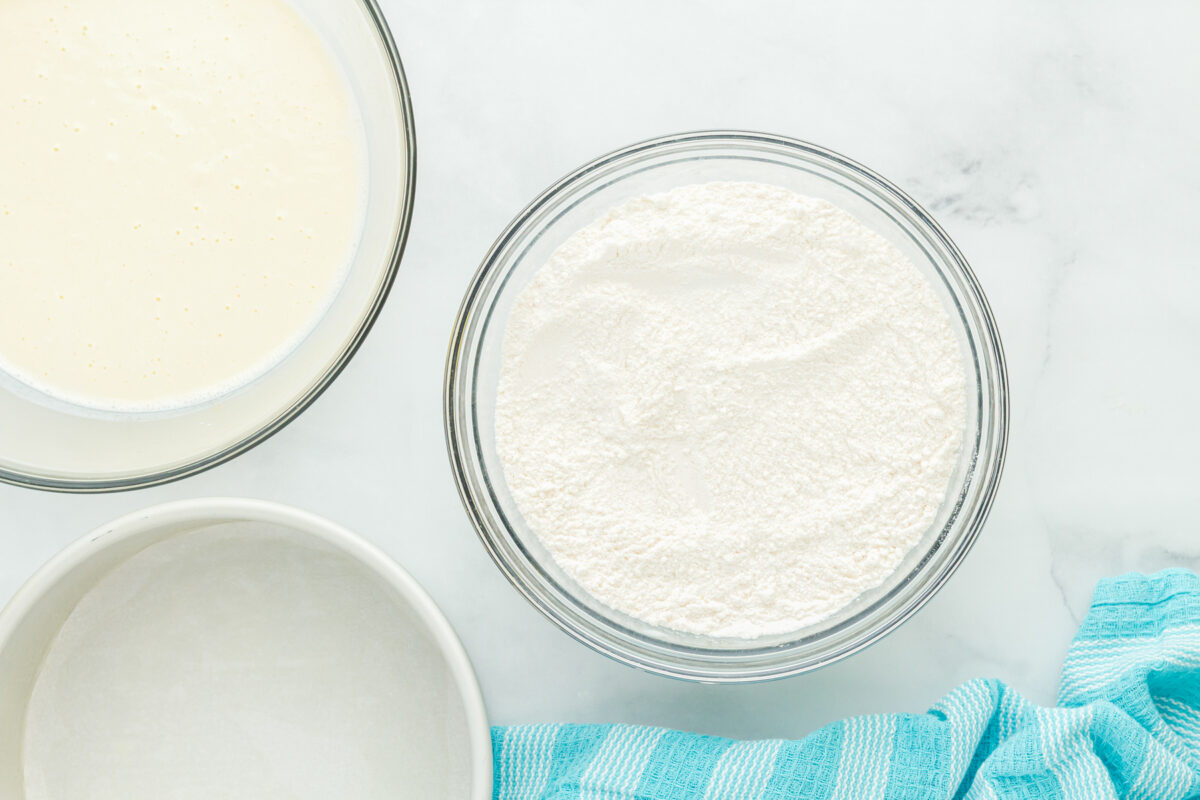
(729,409)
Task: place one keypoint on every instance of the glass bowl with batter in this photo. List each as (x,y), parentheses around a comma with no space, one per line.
(53,439)
(473,375)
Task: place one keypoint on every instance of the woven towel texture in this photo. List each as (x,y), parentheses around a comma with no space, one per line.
(1127,725)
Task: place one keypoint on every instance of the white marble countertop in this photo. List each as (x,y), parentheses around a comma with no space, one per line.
(1055,142)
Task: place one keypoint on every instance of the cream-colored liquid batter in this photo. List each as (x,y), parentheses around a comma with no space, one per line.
(181,187)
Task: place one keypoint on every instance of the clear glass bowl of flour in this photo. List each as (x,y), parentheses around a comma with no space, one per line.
(49,442)
(473,375)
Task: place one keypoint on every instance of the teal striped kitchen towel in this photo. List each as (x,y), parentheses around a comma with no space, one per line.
(1127,725)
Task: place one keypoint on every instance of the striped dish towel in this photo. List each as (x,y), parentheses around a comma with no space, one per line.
(1127,726)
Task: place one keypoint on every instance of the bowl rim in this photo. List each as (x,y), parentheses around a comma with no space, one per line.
(994,429)
(88,485)
(228,509)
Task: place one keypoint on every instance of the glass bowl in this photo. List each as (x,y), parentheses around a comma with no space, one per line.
(473,370)
(47,444)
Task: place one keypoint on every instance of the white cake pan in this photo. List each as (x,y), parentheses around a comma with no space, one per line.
(444,731)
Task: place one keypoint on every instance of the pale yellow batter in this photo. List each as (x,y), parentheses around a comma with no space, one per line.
(181,186)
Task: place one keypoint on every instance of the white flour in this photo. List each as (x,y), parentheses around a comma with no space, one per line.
(729,409)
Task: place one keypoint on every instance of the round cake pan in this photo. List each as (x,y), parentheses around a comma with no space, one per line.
(428,733)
